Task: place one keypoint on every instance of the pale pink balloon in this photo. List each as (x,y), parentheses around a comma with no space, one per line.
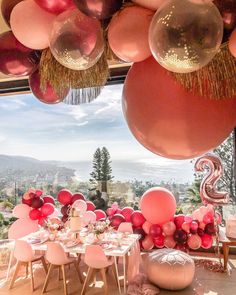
(21,211)
(151,4)
(186,227)
(31,25)
(80,205)
(22,227)
(89,217)
(204,210)
(169,242)
(146,227)
(55,214)
(128,33)
(169,228)
(194,242)
(197,215)
(147,243)
(188,219)
(202,225)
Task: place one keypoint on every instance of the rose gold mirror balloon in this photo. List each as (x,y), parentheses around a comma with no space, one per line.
(185,35)
(208,189)
(76,40)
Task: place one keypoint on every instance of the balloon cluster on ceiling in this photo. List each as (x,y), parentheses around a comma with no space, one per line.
(183,55)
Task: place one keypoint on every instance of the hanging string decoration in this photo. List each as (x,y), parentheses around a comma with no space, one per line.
(82,95)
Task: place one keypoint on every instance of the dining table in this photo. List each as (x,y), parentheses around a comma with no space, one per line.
(114,244)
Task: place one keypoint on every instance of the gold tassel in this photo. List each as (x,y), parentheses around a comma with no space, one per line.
(217,80)
(61,77)
(83,95)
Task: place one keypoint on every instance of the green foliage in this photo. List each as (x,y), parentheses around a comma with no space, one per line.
(1,217)
(96,174)
(106,170)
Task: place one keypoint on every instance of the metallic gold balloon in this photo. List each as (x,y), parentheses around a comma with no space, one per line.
(185,35)
(76,40)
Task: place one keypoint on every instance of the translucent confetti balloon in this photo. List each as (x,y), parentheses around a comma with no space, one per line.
(76,40)
(185,35)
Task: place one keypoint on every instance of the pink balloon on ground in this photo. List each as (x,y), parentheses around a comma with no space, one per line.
(128,33)
(232,43)
(151,4)
(90,206)
(80,205)
(146,227)
(47,209)
(31,25)
(22,227)
(158,205)
(169,242)
(169,228)
(89,217)
(194,242)
(100,214)
(21,211)
(147,243)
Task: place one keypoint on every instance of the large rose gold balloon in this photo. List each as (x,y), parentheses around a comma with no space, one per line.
(76,40)
(232,43)
(185,35)
(151,4)
(170,121)
(208,189)
(128,33)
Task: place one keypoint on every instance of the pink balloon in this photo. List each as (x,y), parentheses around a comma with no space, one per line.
(159,241)
(188,218)
(127,212)
(169,228)
(179,220)
(48,199)
(55,214)
(202,225)
(208,218)
(193,227)
(90,206)
(31,25)
(207,241)
(186,227)
(204,210)
(47,209)
(198,215)
(128,33)
(147,243)
(77,196)
(55,6)
(232,43)
(42,220)
(158,205)
(100,214)
(22,227)
(155,230)
(194,242)
(137,219)
(64,197)
(151,4)
(89,217)
(80,205)
(169,242)
(21,211)
(146,227)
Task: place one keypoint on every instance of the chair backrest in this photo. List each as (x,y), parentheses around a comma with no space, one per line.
(95,257)
(23,251)
(55,254)
(125,227)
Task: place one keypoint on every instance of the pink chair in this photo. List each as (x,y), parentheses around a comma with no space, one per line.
(96,260)
(25,255)
(125,227)
(57,257)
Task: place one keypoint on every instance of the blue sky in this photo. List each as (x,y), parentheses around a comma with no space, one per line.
(72,133)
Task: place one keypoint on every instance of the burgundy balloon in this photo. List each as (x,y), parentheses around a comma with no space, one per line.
(100,9)
(210,229)
(15,58)
(55,6)
(180,236)
(26,202)
(141,232)
(48,96)
(64,210)
(7,7)
(155,230)
(37,202)
(116,220)
(64,218)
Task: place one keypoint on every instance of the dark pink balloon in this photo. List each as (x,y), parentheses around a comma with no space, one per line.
(15,58)
(47,209)
(7,7)
(155,230)
(55,6)
(137,219)
(179,220)
(38,193)
(116,220)
(49,199)
(48,96)
(100,9)
(27,202)
(77,196)
(159,241)
(35,214)
(100,214)
(127,212)
(207,241)
(90,206)
(42,220)
(193,227)
(64,197)
(37,202)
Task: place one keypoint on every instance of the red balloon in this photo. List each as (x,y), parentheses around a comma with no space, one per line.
(27,202)
(137,219)
(38,193)
(64,197)
(159,241)
(127,212)
(207,241)
(48,96)
(77,196)
(179,220)
(7,7)
(170,121)
(100,9)
(155,230)
(180,236)
(35,214)
(37,202)
(55,6)
(47,209)
(90,206)
(100,214)
(64,210)
(49,199)
(42,220)
(15,58)
(116,220)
